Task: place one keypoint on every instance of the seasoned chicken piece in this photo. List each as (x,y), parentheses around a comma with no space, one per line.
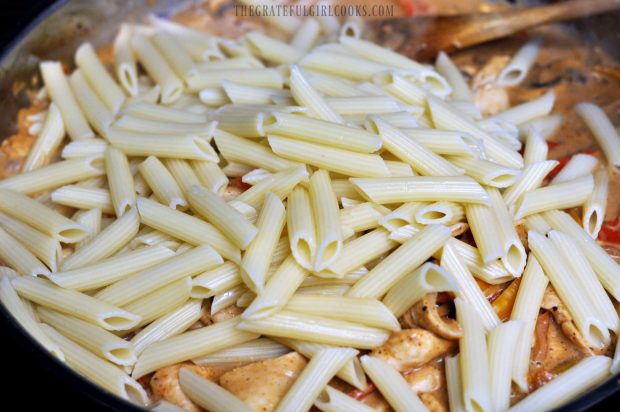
(262,384)
(165,384)
(489,97)
(424,379)
(552,303)
(426,314)
(226,313)
(435,402)
(410,348)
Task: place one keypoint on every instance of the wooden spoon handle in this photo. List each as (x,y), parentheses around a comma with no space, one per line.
(517,20)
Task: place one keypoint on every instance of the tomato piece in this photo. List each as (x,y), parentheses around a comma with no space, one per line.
(610,232)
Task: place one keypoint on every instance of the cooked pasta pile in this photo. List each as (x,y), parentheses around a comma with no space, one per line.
(313,199)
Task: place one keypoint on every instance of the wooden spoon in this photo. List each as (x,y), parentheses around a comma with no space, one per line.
(421,38)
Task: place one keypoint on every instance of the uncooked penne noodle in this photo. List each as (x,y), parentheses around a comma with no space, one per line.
(571,193)
(587,374)
(305,95)
(120,181)
(502,344)
(316,375)
(421,159)
(327,220)
(517,69)
(210,175)
(468,289)
(112,269)
(322,132)
(257,257)
(84,148)
(190,263)
(347,66)
(446,118)
(404,259)
(473,358)
(330,158)
(223,216)
(60,93)
(428,278)
(162,145)
(84,198)
(603,130)
(55,175)
(442,213)
(183,173)
(262,77)
(97,340)
(587,280)
(44,247)
(190,345)
(461,189)
(240,150)
(485,172)
(136,124)
(157,67)
(48,140)
(278,290)
(331,86)
(74,303)
(596,204)
(369,312)
(399,169)
(359,218)
(483,224)
(579,165)
(531,178)
(514,256)
(216,281)
(109,241)
(392,385)
(98,114)
(185,227)
(529,110)
(98,77)
(124,61)
(563,278)
(163,184)
(397,86)
(536,149)
(18,257)
(316,329)
(209,395)
(446,67)
(25,209)
(98,370)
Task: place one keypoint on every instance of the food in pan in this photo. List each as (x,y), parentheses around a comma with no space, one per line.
(300,218)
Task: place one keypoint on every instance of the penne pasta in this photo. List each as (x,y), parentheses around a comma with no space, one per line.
(333,400)
(109,241)
(161,301)
(305,95)
(75,304)
(209,395)
(120,181)
(502,344)
(54,175)
(459,189)
(185,227)
(98,77)
(446,67)
(407,257)
(25,209)
(529,110)
(603,130)
(517,69)
(163,184)
(596,204)
(361,251)
(124,60)
(192,344)
(329,158)
(531,178)
(514,256)
(60,93)
(190,263)
(47,142)
(327,220)
(301,228)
